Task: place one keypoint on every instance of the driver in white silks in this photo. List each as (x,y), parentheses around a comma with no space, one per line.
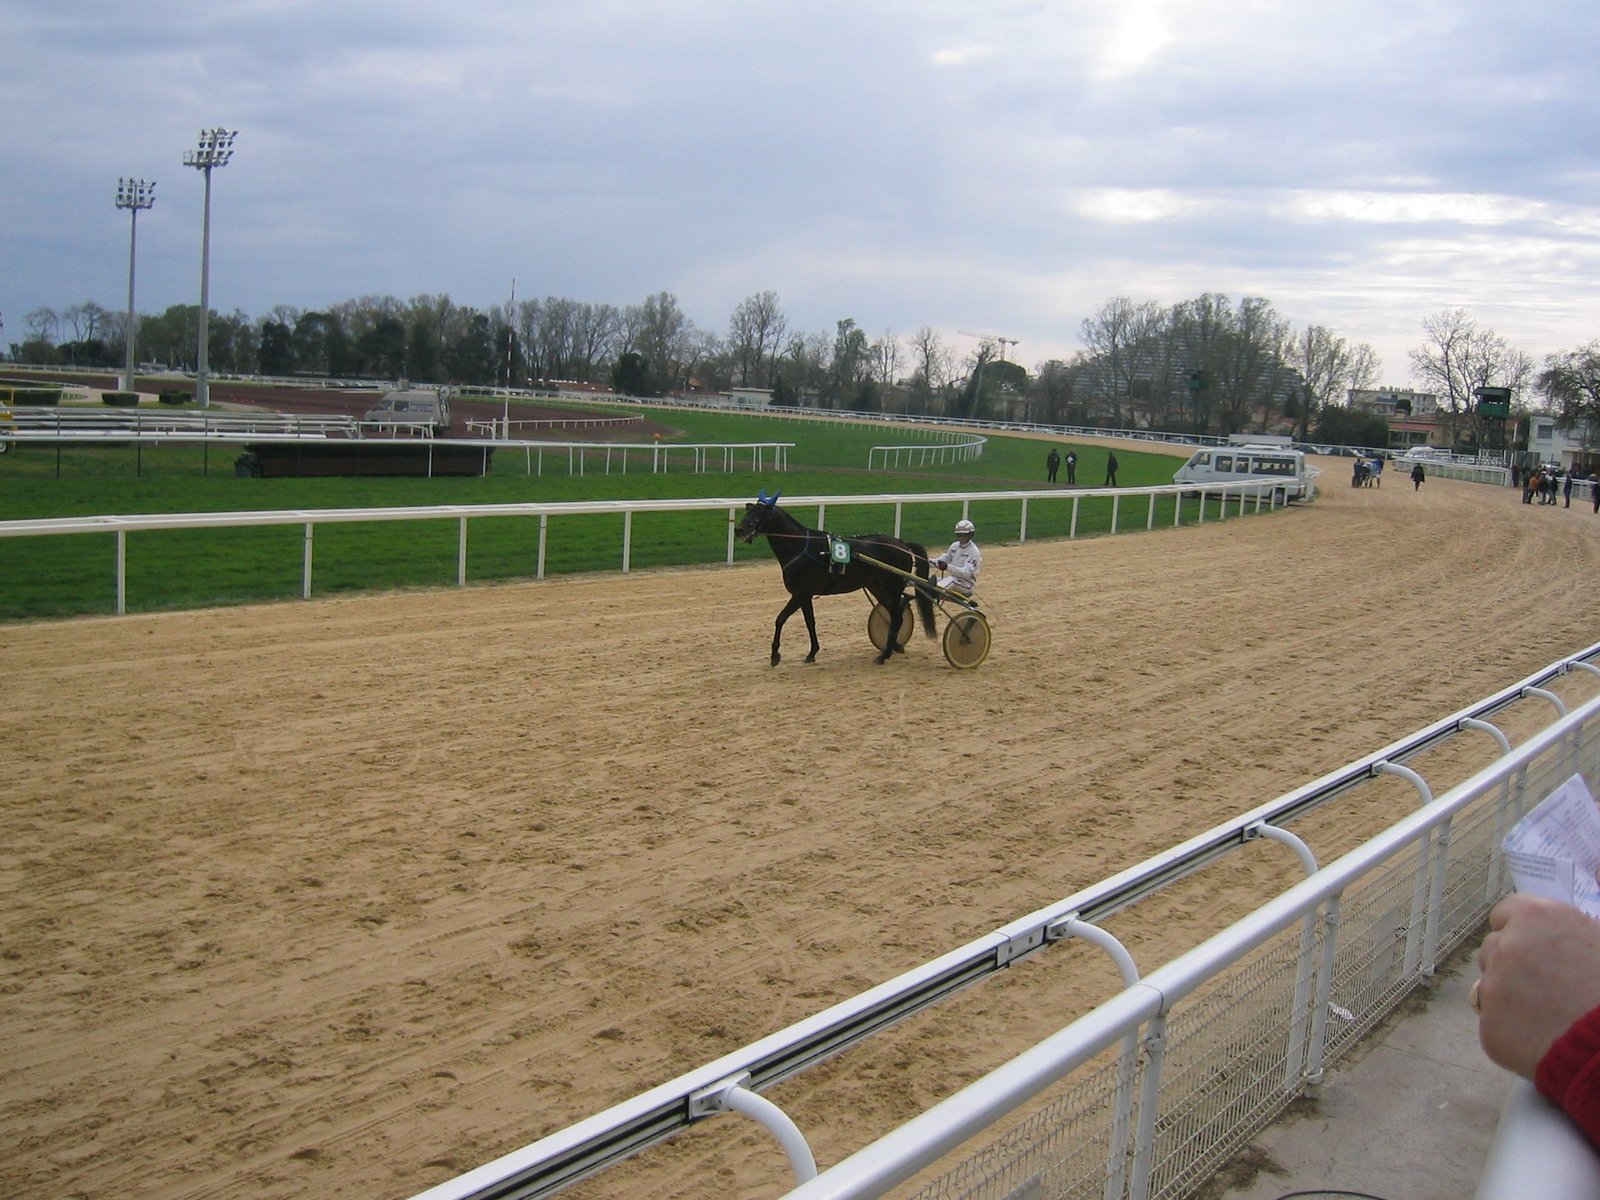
(960,562)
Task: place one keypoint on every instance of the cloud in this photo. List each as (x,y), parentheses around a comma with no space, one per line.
(1012,165)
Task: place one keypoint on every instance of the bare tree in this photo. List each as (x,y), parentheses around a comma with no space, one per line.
(1054,391)
(1255,381)
(44,325)
(87,321)
(930,370)
(805,363)
(755,336)
(1458,358)
(1199,331)
(555,336)
(1120,337)
(883,358)
(665,337)
(1328,367)
(594,336)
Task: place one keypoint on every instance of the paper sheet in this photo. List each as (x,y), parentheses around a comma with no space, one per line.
(1554,851)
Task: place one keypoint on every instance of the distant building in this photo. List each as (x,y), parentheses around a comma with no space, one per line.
(1413,416)
(749,397)
(1573,449)
(1393,402)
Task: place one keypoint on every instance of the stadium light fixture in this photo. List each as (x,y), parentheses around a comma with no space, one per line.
(215,148)
(133,195)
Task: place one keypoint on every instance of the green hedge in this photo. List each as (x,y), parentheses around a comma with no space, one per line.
(173,397)
(32,397)
(120,399)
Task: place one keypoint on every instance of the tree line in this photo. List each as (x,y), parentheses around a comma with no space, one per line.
(1206,365)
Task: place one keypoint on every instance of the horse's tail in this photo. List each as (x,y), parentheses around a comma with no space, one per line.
(919,567)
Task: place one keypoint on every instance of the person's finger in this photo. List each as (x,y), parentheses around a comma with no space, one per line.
(1500,915)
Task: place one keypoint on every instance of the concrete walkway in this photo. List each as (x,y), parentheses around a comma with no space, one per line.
(1411,1118)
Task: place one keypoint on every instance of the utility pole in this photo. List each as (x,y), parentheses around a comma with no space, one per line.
(511,341)
(214,150)
(133,195)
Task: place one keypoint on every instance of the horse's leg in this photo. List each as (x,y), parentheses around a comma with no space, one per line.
(811,627)
(777,628)
(895,605)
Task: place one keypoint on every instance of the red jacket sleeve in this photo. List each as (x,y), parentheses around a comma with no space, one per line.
(1569,1074)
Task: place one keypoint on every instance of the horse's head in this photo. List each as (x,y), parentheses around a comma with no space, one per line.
(757,515)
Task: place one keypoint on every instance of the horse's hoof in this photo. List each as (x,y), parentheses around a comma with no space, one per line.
(811,658)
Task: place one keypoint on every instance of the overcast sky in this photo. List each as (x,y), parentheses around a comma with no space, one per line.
(1000,168)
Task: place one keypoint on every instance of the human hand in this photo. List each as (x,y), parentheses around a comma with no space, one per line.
(1540,969)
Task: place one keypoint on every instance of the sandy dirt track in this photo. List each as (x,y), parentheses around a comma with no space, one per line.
(347,897)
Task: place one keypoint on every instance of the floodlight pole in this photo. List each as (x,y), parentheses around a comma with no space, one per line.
(133,194)
(214,150)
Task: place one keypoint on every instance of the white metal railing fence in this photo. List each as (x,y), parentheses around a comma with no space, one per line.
(1471,472)
(501,427)
(578,458)
(1224,1037)
(1241,497)
(951,448)
(44,423)
(1149,1092)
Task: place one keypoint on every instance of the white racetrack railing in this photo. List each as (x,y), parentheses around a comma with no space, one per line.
(1148,1093)
(942,450)
(1240,497)
(80,428)
(49,424)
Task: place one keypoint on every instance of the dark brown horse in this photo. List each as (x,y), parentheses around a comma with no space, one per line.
(810,568)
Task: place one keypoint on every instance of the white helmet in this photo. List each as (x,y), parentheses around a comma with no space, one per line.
(964,527)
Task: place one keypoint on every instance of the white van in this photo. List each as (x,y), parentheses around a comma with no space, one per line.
(411,410)
(1229,464)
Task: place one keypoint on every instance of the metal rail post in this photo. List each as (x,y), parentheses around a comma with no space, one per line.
(1128,1061)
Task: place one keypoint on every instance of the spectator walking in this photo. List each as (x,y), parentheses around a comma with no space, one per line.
(1566,491)
(1417,476)
(1072,467)
(1052,464)
(1111,470)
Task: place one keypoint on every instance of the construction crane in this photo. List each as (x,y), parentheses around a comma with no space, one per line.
(1002,342)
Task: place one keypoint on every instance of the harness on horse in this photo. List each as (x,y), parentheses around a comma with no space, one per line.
(839,554)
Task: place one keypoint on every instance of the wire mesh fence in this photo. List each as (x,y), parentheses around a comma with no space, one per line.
(1245,1044)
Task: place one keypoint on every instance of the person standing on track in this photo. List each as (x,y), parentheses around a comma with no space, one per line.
(960,563)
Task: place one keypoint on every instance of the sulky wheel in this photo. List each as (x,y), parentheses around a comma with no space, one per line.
(966,640)
(878,627)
